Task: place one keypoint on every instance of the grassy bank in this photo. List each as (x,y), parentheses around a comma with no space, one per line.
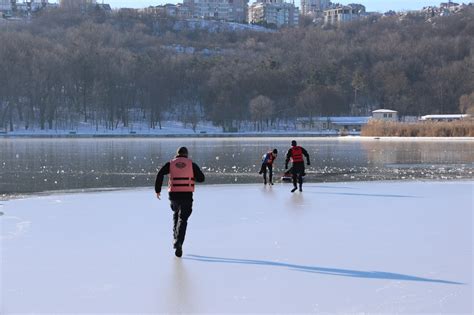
(379,128)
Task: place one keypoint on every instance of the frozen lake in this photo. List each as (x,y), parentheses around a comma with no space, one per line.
(35,165)
(337,248)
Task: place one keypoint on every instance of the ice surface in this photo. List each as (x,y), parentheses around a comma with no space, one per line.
(395,247)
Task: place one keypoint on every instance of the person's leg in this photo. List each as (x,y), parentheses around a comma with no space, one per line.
(184,214)
(294,172)
(264,169)
(300,181)
(300,176)
(270,173)
(175,206)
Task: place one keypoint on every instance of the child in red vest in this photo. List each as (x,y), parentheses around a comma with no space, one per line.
(267,162)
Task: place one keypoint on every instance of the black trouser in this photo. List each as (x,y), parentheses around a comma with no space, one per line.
(270,172)
(182,211)
(298,171)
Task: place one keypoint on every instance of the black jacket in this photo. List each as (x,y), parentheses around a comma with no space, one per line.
(165,170)
(288,157)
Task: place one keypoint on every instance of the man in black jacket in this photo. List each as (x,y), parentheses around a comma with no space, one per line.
(183,173)
(296,154)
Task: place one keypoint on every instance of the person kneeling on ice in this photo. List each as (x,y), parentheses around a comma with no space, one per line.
(296,153)
(267,162)
(183,173)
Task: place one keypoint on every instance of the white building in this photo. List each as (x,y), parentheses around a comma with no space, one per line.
(227,10)
(273,13)
(77,3)
(311,7)
(166,9)
(5,6)
(341,14)
(23,6)
(446,118)
(385,114)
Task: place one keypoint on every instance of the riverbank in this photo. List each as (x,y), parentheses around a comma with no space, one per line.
(377,247)
(169,129)
(179,135)
(323,134)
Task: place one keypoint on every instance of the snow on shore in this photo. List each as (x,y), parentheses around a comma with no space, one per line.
(402,248)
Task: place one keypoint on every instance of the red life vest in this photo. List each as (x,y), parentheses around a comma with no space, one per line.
(181,178)
(271,158)
(297,154)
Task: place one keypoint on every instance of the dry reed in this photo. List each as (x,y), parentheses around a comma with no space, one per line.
(379,128)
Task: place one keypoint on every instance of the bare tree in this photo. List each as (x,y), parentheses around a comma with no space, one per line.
(261,109)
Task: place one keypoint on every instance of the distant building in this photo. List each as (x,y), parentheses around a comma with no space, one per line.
(104,7)
(351,123)
(23,7)
(448,5)
(226,10)
(313,7)
(76,4)
(273,13)
(341,14)
(221,10)
(444,9)
(166,9)
(174,10)
(385,114)
(446,118)
(5,6)
(359,8)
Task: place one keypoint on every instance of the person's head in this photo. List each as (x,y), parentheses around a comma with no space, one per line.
(293,143)
(183,151)
(275,152)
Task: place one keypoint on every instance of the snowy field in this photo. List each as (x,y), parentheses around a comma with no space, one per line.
(371,248)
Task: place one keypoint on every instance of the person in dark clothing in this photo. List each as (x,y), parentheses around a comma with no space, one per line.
(183,173)
(267,162)
(296,153)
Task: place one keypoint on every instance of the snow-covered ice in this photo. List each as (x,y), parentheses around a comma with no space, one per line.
(377,247)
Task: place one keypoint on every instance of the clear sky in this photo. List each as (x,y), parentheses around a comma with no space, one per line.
(372,5)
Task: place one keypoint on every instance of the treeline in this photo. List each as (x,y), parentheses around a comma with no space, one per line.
(62,69)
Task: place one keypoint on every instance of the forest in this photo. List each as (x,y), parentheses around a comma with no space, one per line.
(62,68)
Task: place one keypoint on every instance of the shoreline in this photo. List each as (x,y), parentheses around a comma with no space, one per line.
(227,135)
(190,135)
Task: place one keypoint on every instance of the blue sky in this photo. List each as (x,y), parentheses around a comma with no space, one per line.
(372,5)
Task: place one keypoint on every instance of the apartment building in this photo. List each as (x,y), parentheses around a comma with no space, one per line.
(23,6)
(77,4)
(227,10)
(5,6)
(271,12)
(313,7)
(341,14)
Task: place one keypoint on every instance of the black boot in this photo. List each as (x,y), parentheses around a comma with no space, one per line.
(179,250)
(294,189)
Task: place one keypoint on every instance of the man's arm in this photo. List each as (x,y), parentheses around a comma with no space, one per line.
(165,170)
(198,174)
(305,153)
(288,156)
